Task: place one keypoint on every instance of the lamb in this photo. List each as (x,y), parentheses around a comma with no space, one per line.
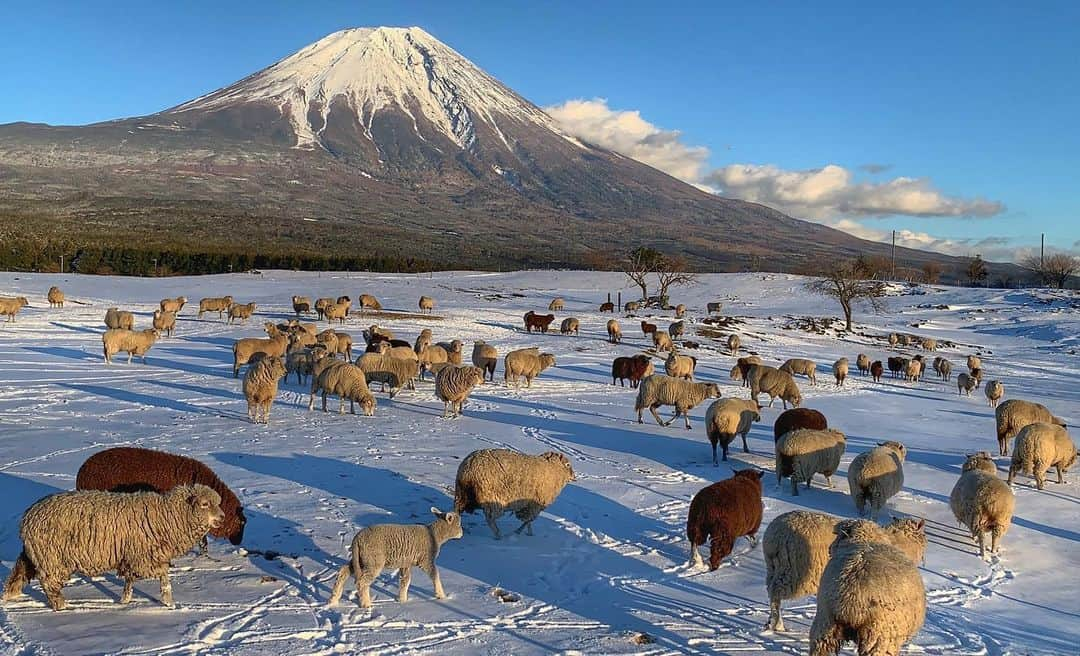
(727,418)
(173,305)
(648,328)
(453,385)
(556,304)
(614,332)
(219,305)
(876,475)
(320,306)
(528,363)
(982,502)
(796,548)
(486,357)
(426,304)
(1039,447)
(336,312)
(119,319)
(722,513)
(607,306)
(994,391)
(261,386)
(249,348)
(164,322)
(680,366)
(570,325)
(658,390)
(300,305)
(633,369)
(241,312)
(795,418)
(676,329)
(347,381)
(680,311)
(538,321)
(973,362)
(369,301)
(662,341)
(741,370)
(55,297)
(631,306)
(397,546)
(870,593)
(775,383)
(498,481)
(92,532)
(876,370)
(862,362)
(713,308)
(804,452)
(132,469)
(733,344)
(1014,414)
(964,385)
(116,340)
(386,370)
(840,370)
(801,366)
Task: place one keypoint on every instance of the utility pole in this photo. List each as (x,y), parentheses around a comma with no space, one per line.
(1042,250)
(61,264)
(892,275)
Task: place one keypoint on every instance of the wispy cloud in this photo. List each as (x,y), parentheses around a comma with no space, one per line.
(875,168)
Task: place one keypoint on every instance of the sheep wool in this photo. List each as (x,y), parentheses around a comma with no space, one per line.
(659,390)
(219,305)
(804,452)
(55,297)
(1039,447)
(248,348)
(727,418)
(862,363)
(391,372)
(261,387)
(840,371)
(1011,416)
(775,383)
(614,331)
(802,367)
(486,357)
(117,340)
(453,385)
(721,513)
(794,418)
(525,363)
(982,502)
(733,343)
(119,319)
(569,326)
(173,305)
(876,475)
(426,304)
(994,390)
(164,322)
(680,366)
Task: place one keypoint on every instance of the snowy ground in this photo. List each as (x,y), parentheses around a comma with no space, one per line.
(607,562)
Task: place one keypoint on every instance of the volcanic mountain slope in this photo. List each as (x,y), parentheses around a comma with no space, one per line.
(382,140)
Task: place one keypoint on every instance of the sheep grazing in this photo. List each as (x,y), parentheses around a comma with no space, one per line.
(300,305)
(527,363)
(994,391)
(241,312)
(119,319)
(1012,415)
(796,418)
(92,532)
(219,305)
(453,385)
(876,475)
(9,307)
(607,306)
(249,348)
(840,371)
(802,367)
(389,371)
(658,390)
(347,381)
(723,512)
(680,366)
(733,344)
(870,592)
(727,418)
(804,452)
(982,502)
(973,362)
(775,383)
(426,304)
(498,481)
(400,547)
(714,308)
(876,370)
(1039,447)
(336,312)
(676,329)
(117,340)
(862,362)
(796,548)
(569,326)
(261,386)
(320,306)
(55,297)
(630,368)
(680,311)
(486,357)
(741,370)
(173,305)
(965,384)
(662,341)
(648,328)
(556,305)
(367,301)
(132,469)
(538,321)
(164,322)
(429,358)
(614,331)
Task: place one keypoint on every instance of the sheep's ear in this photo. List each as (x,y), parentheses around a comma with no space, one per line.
(881,444)
(438,513)
(921,523)
(760,473)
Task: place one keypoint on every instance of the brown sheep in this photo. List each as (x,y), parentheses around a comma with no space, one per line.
(796,418)
(633,369)
(724,511)
(607,307)
(538,321)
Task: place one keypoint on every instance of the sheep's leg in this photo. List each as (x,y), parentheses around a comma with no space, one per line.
(51,588)
(166,588)
(776,622)
(432,571)
(745,446)
(339,584)
(826,636)
(491,513)
(995,539)
(445,409)
(204,547)
(404,578)
(686,416)
(714,461)
(1012,475)
(311,402)
(1061,475)
(828,481)
(129,586)
(527,516)
(341,408)
(1040,475)
(655,415)
(324,400)
(695,556)
(982,545)
(794,485)
(363,587)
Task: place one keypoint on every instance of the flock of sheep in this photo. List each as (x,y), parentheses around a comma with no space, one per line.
(135,509)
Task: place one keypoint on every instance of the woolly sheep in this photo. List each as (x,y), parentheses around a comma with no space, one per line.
(9,307)
(119,319)
(454,350)
(116,340)
(336,312)
(261,386)
(248,348)
(173,305)
(607,306)
(929,344)
(347,381)
(994,391)
(913,371)
(965,384)
(1039,447)
(876,475)
(556,305)
(894,339)
(741,370)
(614,332)
(804,452)
(722,513)
(92,532)
(301,304)
(658,390)
(300,360)
(164,322)
(486,357)
(796,548)
(400,547)
(662,341)
(402,352)
(389,371)
(680,366)
(973,362)
(840,370)
(423,340)
(982,502)
(633,369)
(453,385)
(876,370)
(801,366)
(904,339)
(631,306)
(733,343)
(870,592)
(676,329)
(426,304)
(727,418)
(976,375)
(55,297)
(862,362)
(541,322)
(713,308)
(219,305)
(943,368)
(498,481)
(648,328)
(569,325)
(775,383)
(794,418)
(241,312)
(528,363)
(369,301)
(680,311)
(1012,415)
(320,306)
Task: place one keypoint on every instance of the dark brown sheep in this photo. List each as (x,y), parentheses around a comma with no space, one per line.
(633,369)
(373,345)
(876,369)
(538,321)
(794,418)
(131,469)
(607,307)
(724,511)
(648,328)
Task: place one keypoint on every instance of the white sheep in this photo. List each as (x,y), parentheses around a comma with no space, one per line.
(55,297)
(994,390)
(527,363)
(662,341)
(426,304)
(614,331)
(1012,415)
(347,381)
(173,305)
(727,418)
(249,348)
(840,370)
(9,307)
(801,366)
(913,370)
(804,452)
(982,502)
(929,344)
(733,344)
(389,371)
(400,547)
(658,390)
(1039,447)
(120,319)
(741,370)
(556,304)
(402,352)
(117,340)
(164,322)
(569,326)
(973,362)
(423,340)
(680,366)
(862,362)
(486,357)
(219,305)
(261,387)
(876,475)
(965,384)
(775,383)
(453,385)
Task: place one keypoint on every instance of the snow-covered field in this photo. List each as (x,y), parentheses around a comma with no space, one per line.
(607,562)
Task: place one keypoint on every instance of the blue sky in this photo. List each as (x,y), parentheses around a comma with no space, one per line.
(972,108)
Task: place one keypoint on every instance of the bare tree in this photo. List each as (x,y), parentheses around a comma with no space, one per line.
(932,273)
(638,264)
(672,272)
(1054,270)
(976,270)
(846,282)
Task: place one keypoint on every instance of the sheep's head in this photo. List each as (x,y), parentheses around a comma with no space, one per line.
(239,522)
(205,503)
(271,329)
(712,391)
(367,405)
(750,475)
(557,458)
(476,376)
(909,535)
(899,448)
(546,360)
(854,531)
(736,373)
(981,461)
(449,522)
(276,366)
